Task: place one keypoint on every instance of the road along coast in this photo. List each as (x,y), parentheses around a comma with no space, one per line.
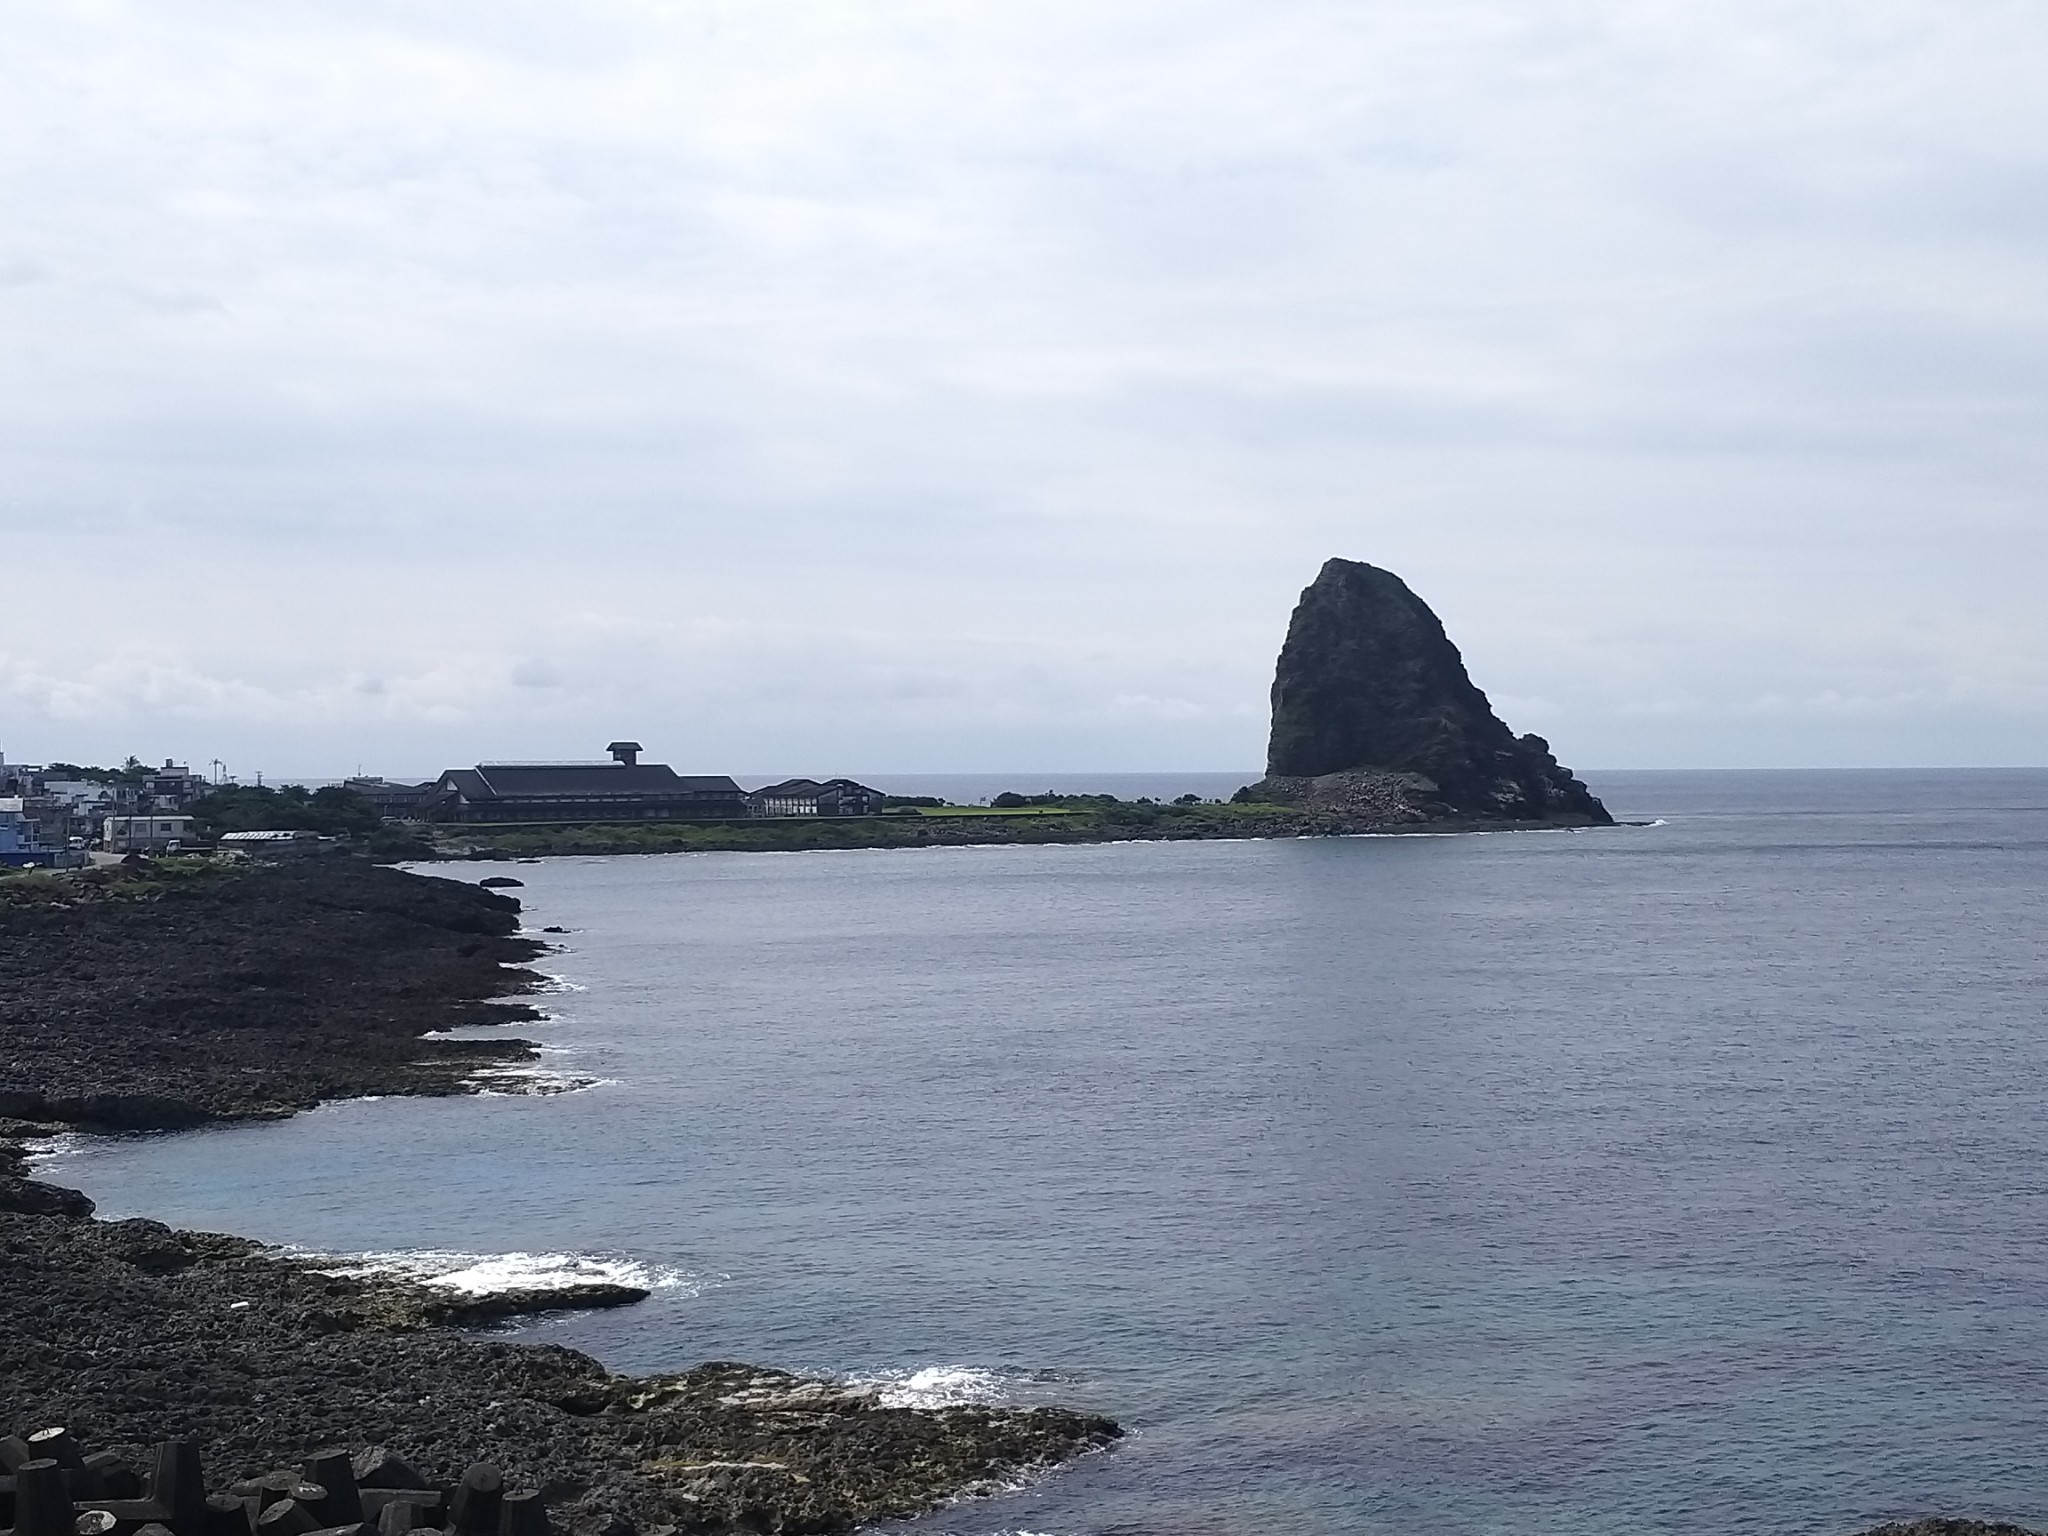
(173,997)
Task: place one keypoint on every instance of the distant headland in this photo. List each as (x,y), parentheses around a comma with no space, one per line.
(1376,727)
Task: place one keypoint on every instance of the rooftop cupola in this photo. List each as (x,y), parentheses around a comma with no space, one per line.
(625,753)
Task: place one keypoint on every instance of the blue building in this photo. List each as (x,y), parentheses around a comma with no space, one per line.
(20,846)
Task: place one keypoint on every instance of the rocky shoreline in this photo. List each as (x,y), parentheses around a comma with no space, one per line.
(182,993)
(162,999)
(1346,805)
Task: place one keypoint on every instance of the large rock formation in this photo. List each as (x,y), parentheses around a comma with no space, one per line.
(1373,714)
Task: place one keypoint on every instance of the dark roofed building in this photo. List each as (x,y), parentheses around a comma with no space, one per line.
(809,797)
(394,802)
(622,790)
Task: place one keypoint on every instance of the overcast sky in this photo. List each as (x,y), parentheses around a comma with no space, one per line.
(919,386)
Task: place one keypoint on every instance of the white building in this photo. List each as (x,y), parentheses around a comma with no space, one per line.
(81,796)
(146,834)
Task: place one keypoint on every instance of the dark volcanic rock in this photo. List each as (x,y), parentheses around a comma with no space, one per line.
(459,1310)
(32,1197)
(149,1246)
(139,1000)
(128,1003)
(1370,687)
(127,1332)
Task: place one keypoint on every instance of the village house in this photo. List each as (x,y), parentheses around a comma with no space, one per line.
(146,834)
(21,844)
(76,808)
(173,786)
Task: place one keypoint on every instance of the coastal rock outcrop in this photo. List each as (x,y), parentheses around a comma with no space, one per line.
(128,1332)
(162,997)
(1374,716)
(157,999)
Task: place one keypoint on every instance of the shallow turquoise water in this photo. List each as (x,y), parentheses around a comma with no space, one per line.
(1682,1178)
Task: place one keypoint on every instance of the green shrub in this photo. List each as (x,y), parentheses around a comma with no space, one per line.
(332,811)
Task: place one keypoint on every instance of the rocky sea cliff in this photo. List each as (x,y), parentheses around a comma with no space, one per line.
(1374,715)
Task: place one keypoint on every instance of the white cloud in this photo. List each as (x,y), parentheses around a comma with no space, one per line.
(920,386)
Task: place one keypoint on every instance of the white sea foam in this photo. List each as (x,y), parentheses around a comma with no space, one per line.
(58,1143)
(481,1274)
(550,981)
(932,1386)
(529,1080)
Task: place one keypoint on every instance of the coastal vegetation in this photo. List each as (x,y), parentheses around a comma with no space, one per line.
(1063,819)
(133,770)
(332,810)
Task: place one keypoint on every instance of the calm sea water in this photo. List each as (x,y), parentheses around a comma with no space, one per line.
(1685,1178)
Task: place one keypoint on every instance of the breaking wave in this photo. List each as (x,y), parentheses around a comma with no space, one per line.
(482,1274)
(58,1142)
(529,1079)
(552,985)
(932,1386)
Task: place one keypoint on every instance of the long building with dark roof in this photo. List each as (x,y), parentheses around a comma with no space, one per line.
(624,789)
